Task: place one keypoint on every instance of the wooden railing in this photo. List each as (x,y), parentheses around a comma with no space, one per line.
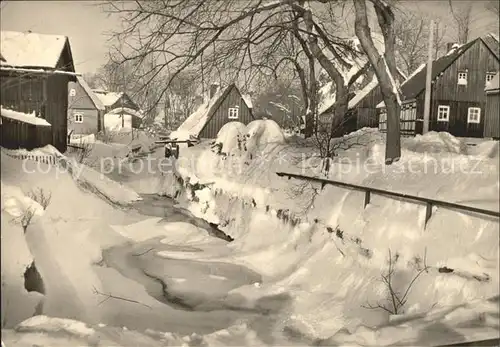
(42,158)
(416,199)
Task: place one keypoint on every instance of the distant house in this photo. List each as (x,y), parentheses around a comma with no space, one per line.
(121,112)
(85,110)
(35,70)
(492,112)
(458,99)
(362,105)
(224,105)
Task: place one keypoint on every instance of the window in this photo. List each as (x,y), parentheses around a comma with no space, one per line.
(462,78)
(72,92)
(443,113)
(233,113)
(78,118)
(474,115)
(489,76)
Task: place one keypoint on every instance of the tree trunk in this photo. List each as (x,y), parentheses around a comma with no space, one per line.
(383,71)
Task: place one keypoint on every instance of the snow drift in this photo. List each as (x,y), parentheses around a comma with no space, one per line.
(295,233)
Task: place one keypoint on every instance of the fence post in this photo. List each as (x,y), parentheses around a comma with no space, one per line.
(428,213)
(367,198)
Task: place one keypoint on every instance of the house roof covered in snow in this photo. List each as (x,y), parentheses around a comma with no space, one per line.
(493,85)
(126,110)
(33,50)
(23,117)
(196,122)
(248,100)
(96,101)
(416,84)
(107,98)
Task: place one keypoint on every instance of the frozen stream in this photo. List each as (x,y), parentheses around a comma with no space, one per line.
(192,296)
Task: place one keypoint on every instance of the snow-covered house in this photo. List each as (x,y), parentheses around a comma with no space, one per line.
(492,112)
(364,94)
(121,112)
(85,109)
(224,105)
(35,72)
(458,98)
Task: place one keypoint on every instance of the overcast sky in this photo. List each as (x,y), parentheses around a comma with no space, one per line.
(86,25)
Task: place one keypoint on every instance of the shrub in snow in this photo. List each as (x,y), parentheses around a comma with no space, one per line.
(228,137)
(41,196)
(397,293)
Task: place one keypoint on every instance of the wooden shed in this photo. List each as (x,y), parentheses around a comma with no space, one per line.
(225,105)
(34,78)
(492,112)
(119,105)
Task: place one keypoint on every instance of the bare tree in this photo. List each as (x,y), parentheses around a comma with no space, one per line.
(412,31)
(241,41)
(384,66)
(461,13)
(494,7)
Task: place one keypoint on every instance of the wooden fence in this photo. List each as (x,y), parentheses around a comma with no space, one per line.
(50,159)
(429,203)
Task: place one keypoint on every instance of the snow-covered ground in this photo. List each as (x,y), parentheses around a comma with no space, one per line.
(313,259)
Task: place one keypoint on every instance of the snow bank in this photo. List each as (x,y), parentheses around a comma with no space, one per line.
(23,117)
(436,142)
(228,136)
(82,139)
(294,232)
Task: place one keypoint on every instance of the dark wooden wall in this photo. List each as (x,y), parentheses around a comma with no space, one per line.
(492,116)
(367,115)
(15,135)
(477,60)
(220,117)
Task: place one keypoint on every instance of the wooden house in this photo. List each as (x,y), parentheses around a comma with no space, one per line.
(492,112)
(362,105)
(85,109)
(224,105)
(35,72)
(458,99)
(120,111)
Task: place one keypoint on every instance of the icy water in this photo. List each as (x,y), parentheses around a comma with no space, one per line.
(194,296)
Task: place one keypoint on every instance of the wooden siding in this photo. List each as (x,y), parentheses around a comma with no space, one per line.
(15,135)
(492,116)
(408,119)
(477,60)
(81,100)
(367,115)
(90,121)
(220,116)
(57,109)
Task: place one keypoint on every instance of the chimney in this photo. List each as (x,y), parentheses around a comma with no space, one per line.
(449,46)
(214,88)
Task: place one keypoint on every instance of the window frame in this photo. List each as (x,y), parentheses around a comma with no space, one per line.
(478,121)
(490,75)
(460,81)
(233,113)
(76,115)
(443,108)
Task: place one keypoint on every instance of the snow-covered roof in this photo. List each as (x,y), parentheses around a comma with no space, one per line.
(363,92)
(195,123)
(493,85)
(126,110)
(248,100)
(107,98)
(31,49)
(23,117)
(97,102)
